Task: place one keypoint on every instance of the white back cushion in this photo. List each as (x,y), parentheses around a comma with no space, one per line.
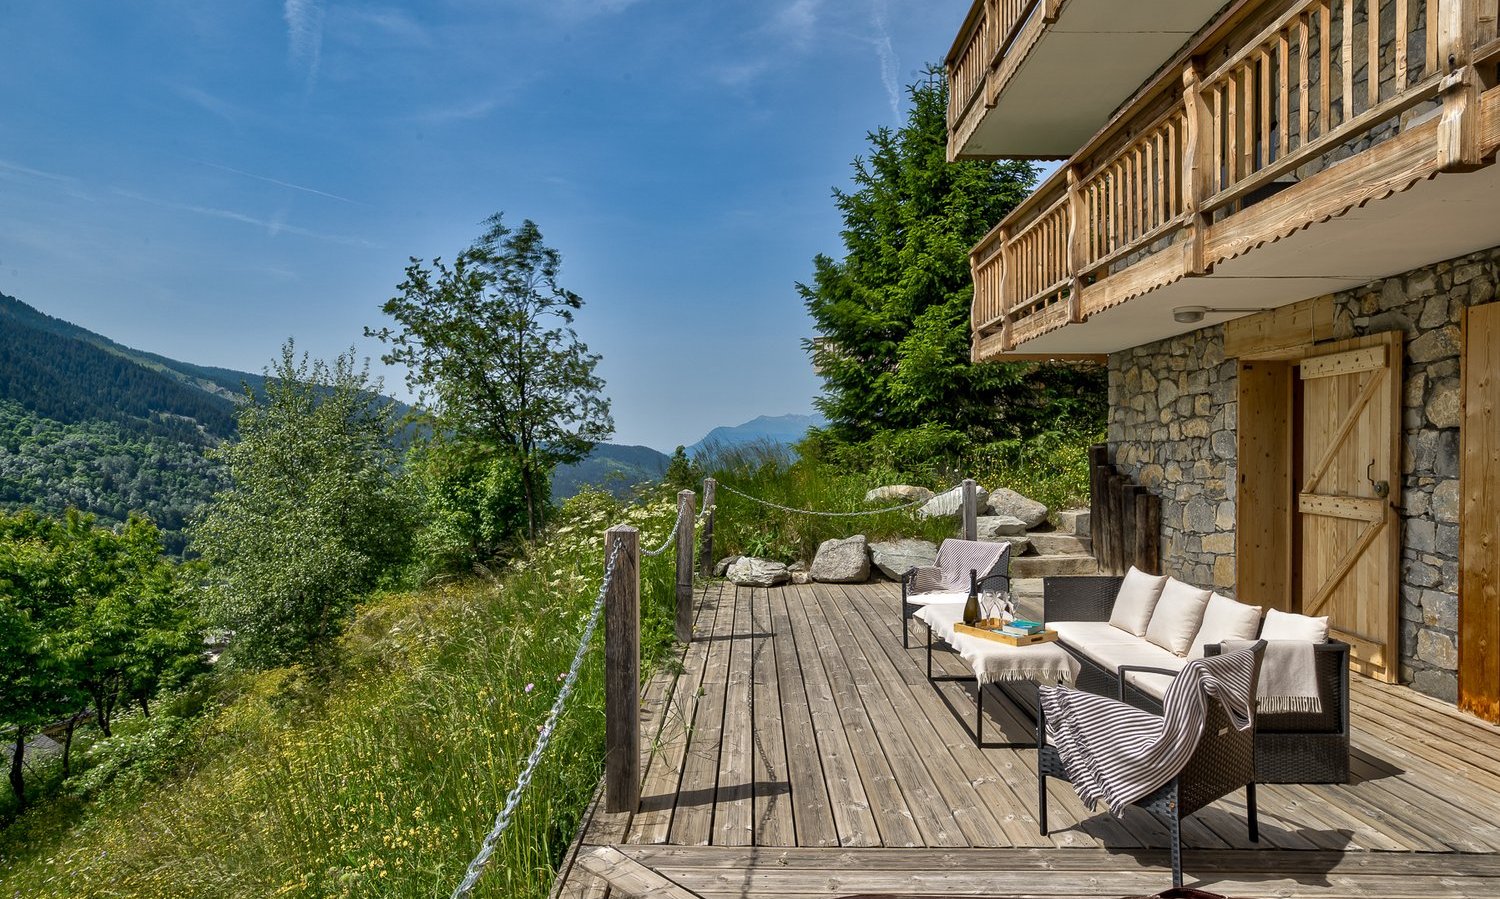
(1225,619)
(1287,626)
(1177,615)
(1136,600)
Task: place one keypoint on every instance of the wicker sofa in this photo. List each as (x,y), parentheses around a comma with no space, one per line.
(1293,747)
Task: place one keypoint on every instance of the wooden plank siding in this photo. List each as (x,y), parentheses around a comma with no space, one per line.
(801,752)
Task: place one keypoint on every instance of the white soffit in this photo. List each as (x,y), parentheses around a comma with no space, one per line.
(1439,219)
(1082,68)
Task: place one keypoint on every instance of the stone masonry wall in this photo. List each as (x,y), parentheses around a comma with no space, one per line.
(1173,414)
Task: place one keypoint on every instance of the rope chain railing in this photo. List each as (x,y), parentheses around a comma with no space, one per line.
(543,740)
(857,514)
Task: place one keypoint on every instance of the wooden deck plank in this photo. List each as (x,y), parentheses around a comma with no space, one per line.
(812,810)
(734,798)
(894,818)
(693,810)
(663,780)
(936,817)
(773,823)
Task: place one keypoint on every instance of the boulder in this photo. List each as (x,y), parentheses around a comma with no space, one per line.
(748,571)
(898,493)
(952,503)
(797,566)
(1009,502)
(723,565)
(1019,546)
(801,577)
(845,561)
(992,527)
(894,557)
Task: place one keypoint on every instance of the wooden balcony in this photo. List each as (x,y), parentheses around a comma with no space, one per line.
(1266,166)
(1012,58)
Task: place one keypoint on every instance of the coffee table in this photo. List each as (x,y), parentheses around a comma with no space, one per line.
(994,663)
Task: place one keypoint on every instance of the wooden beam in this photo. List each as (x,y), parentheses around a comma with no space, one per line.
(622,671)
(1357,508)
(629,878)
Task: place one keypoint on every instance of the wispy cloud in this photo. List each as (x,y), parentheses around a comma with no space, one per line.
(274,226)
(278,182)
(390,22)
(885,51)
(459,112)
(16,170)
(796,22)
(209,103)
(304,27)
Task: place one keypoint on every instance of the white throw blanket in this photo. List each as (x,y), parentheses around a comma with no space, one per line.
(1118,753)
(1288,677)
(1042,663)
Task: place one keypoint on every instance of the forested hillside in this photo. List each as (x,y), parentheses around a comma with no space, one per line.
(89,424)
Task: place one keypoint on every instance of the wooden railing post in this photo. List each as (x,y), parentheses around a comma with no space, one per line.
(1198,181)
(685,513)
(706,548)
(1007,288)
(622,672)
(1078,230)
(1458,129)
(971,509)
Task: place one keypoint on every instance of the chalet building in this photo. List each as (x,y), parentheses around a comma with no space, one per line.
(1279,223)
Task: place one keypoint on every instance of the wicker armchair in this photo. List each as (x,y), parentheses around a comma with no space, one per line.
(1290,747)
(996,578)
(1222,762)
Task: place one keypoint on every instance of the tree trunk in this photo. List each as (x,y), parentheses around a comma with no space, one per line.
(102,710)
(68,743)
(530,492)
(145,707)
(17,769)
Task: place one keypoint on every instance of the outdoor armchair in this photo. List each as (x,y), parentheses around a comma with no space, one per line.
(947,579)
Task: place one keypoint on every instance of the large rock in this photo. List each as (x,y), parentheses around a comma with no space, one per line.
(952,503)
(898,493)
(1008,502)
(1019,546)
(994,526)
(722,566)
(894,557)
(748,571)
(845,561)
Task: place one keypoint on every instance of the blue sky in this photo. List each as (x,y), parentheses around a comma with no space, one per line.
(205,179)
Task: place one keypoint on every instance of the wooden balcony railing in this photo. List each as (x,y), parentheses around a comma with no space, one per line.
(981,42)
(1288,128)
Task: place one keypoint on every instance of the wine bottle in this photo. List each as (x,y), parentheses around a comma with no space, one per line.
(971,607)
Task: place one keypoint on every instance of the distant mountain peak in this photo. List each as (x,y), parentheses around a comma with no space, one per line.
(781,429)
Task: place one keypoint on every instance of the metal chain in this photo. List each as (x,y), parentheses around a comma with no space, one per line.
(766,502)
(670,537)
(513,799)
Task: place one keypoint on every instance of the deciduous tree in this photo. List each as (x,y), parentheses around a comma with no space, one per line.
(315,516)
(489,344)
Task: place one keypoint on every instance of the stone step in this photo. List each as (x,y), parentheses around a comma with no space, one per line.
(1053,566)
(1074,521)
(1060,544)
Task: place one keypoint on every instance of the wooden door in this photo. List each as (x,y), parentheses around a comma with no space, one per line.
(1348,526)
(1479,518)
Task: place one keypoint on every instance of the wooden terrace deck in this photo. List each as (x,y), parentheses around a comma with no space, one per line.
(801,752)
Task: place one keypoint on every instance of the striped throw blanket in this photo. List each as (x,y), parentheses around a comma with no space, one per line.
(1118,753)
(955,559)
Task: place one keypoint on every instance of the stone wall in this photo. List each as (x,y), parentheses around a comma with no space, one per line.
(1173,407)
(1172,418)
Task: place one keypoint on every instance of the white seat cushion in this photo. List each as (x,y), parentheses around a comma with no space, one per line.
(1225,619)
(1112,655)
(1287,626)
(933,599)
(1138,595)
(1150,683)
(1080,634)
(1177,615)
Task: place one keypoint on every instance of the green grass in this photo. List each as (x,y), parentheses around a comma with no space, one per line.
(384,780)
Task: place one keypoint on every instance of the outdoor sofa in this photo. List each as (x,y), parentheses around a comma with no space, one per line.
(1290,746)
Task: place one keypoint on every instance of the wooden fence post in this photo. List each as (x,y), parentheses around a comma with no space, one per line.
(971,509)
(1098,480)
(1148,533)
(706,560)
(1115,535)
(685,513)
(622,672)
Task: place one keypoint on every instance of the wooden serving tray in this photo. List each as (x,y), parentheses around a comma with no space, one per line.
(995,635)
